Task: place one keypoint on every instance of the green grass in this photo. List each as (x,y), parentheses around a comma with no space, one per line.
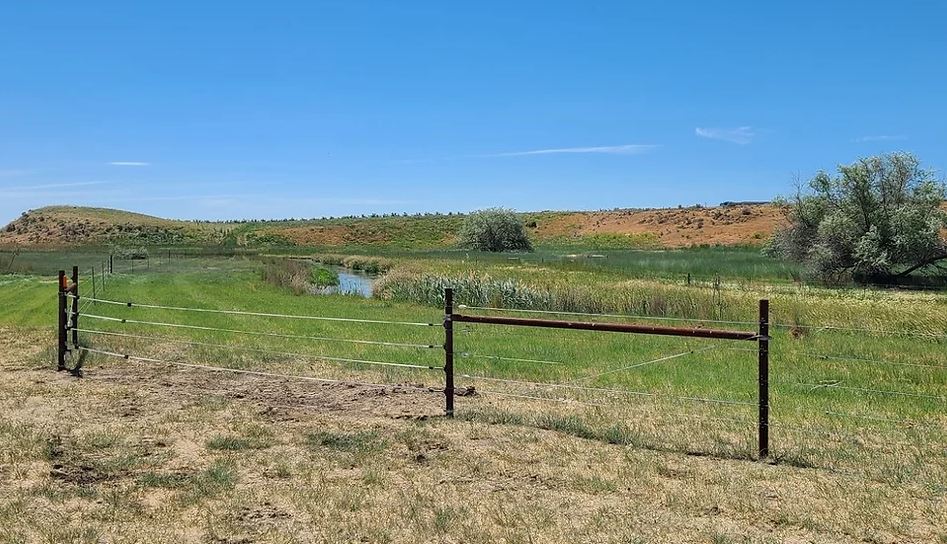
(323,277)
(353,442)
(815,421)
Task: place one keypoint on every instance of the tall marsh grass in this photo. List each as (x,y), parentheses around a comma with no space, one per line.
(369,265)
(527,288)
(297,276)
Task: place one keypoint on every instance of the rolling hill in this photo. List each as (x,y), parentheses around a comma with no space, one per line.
(731,224)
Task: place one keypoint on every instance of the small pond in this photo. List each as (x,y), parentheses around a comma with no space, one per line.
(351,282)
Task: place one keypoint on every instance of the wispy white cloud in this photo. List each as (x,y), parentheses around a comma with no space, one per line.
(738,135)
(881,138)
(129,163)
(626,149)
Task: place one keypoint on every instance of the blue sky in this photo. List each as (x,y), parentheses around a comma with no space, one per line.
(301,109)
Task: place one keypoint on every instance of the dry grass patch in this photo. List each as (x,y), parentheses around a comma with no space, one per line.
(202,458)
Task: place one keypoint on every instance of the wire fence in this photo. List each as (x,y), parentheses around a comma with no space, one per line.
(258,373)
(508,370)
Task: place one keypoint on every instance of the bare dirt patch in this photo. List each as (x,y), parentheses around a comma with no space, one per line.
(674,227)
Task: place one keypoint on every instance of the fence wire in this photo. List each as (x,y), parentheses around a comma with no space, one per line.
(645,363)
(259,350)
(260,314)
(878,332)
(468,354)
(260,333)
(832,357)
(256,372)
(837,384)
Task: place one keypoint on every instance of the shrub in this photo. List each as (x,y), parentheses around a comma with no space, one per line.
(880,218)
(131,253)
(369,265)
(323,277)
(297,276)
(494,229)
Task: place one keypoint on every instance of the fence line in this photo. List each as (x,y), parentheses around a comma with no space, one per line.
(699,320)
(260,314)
(595,397)
(253,372)
(260,333)
(273,352)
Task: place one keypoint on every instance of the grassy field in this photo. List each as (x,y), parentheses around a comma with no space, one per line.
(146,450)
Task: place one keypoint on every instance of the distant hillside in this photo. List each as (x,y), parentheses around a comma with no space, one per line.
(66,225)
(736,223)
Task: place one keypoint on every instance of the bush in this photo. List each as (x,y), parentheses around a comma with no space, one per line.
(494,229)
(369,265)
(878,219)
(323,277)
(131,253)
(297,276)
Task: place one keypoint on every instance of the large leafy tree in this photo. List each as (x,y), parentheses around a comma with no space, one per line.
(494,229)
(877,219)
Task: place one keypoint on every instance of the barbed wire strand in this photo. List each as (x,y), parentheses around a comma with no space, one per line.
(259,314)
(826,356)
(260,350)
(879,332)
(260,333)
(645,363)
(468,354)
(837,385)
(252,372)
(608,390)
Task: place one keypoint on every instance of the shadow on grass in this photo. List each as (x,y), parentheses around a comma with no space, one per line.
(620,435)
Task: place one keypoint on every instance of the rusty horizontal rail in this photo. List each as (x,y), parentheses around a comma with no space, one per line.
(608,327)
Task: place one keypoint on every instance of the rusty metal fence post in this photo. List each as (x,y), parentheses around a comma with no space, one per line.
(449,352)
(61,327)
(763,341)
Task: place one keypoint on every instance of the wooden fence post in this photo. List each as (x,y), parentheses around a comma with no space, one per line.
(449,352)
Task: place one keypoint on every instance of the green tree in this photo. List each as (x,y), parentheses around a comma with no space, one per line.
(877,220)
(494,229)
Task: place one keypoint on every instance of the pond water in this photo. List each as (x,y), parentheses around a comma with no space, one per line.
(351,282)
